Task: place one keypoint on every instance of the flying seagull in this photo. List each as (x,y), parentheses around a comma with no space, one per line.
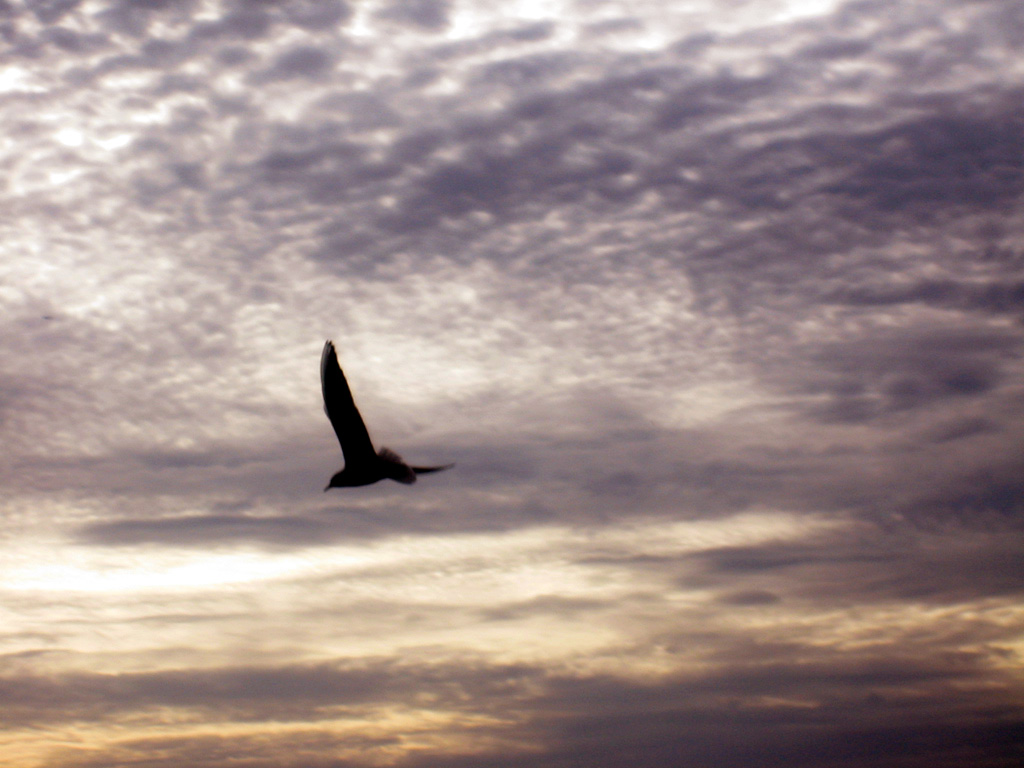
(363,465)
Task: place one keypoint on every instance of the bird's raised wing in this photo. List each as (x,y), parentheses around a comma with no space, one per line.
(341,410)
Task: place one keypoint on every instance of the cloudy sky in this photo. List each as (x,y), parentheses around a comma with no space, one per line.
(717,306)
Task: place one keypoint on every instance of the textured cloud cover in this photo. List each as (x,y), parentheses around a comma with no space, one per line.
(717,306)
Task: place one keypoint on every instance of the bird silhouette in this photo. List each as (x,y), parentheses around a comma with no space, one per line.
(363,465)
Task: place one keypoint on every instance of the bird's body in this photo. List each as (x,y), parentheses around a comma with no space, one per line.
(363,464)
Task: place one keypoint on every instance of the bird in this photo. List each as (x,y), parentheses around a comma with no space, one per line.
(363,464)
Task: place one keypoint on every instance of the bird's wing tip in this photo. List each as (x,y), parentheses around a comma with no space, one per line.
(325,355)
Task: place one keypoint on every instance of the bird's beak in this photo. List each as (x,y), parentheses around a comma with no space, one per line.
(327,488)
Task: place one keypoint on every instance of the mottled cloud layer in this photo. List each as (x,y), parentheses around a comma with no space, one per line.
(717,308)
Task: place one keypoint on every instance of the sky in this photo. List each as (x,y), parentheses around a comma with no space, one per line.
(717,306)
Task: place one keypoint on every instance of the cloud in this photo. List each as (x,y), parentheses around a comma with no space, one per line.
(316,14)
(207,530)
(251,693)
(428,15)
(892,372)
(874,705)
(304,62)
(49,11)
(326,527)
(906,566)
(133,17)
(715,310)
(941,162)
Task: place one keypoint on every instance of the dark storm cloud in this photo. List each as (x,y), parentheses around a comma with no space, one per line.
(184,39)
(984,493)
(960,428)
(860,709)
(804,217)
(752,597)
(795,695)
(486,179)
(634,124)
(910,368)
(327,526)
(945,160)
(133,17)
(208,530)
(895,566)
(928,555)
(286,750)
(74,42)
(429,15)
(313,692)
(631,124)
(940,161)
(49,11)
(992,296)
(668,727)
(304,62)
(315,14)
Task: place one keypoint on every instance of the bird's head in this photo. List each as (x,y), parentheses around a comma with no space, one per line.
(343,480)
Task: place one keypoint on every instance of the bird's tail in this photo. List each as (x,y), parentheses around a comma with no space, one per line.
(425,470)
(397,469)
